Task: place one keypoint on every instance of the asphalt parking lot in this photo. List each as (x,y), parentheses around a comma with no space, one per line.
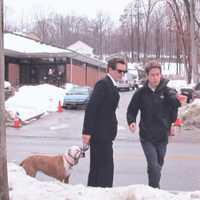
(55,132)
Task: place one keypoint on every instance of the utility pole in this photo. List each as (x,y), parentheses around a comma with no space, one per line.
(4,195)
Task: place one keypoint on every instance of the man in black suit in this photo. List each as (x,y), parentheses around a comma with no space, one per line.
(100,125)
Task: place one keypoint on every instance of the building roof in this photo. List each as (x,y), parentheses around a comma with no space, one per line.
(24,45)
(20,46)
(82,48)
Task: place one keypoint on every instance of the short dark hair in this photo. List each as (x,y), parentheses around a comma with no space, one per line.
(114,61)
(151,65)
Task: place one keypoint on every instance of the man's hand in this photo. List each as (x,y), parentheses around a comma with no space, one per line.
(182,99)
(86,139)
(132,127)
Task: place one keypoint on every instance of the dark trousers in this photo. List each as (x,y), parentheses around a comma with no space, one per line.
(154,154)
(101,165)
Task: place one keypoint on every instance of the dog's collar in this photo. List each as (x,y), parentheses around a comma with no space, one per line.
(67,160)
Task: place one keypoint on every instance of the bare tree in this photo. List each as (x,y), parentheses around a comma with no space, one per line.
(148,11)
(131,22)
(184,15)
(192,20)
(143,29)
(101,26)
(183,34)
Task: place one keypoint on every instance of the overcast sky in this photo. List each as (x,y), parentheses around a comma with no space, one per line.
(78,7)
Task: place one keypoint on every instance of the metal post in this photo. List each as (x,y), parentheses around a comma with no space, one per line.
(71,74)
(3,159)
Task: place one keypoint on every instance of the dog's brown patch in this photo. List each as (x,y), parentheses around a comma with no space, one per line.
(50,165)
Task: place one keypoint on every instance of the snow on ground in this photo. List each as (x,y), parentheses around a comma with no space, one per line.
(190,113)
(172,68)
(32,101)
(23,187)
(178,84)
(167,68)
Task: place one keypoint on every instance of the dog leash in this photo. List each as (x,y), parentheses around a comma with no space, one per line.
(84,148)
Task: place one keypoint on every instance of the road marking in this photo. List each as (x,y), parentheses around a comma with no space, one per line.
(61,126)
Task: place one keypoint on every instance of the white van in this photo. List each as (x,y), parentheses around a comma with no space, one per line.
(128,81)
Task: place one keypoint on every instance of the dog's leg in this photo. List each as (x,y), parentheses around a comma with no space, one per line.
(30,171)
(66,179)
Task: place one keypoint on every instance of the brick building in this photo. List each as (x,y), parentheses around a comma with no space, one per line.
(28,61)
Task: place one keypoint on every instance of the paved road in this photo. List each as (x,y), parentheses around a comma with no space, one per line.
(54,133)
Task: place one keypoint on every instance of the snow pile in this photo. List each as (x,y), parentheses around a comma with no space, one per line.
(31,101)
(7,84)
(23,187)
(190,113)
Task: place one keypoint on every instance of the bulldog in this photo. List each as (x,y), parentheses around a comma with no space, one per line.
(58,166)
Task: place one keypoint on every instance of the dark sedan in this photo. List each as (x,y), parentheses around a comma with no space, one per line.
(191,93)
(196,92)
(77,97)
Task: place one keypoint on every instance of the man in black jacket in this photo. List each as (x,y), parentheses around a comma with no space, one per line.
(158,105)
(100,125)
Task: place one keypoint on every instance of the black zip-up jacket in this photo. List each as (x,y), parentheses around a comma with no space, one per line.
(158,111)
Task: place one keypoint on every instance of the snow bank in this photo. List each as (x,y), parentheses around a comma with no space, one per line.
(7,84)
(23,187)
(31,101)
(190,113)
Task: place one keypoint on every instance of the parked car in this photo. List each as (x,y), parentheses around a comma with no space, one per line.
(191,93)
(187,92)
(123,85)
(128,81)
(196,91)
(77,97)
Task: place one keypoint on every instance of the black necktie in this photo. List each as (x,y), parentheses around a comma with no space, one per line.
(116,89)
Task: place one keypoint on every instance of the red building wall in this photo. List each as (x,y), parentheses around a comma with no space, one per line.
(78,74)
(92,76)
(102,73)
(13,74)
(83,75)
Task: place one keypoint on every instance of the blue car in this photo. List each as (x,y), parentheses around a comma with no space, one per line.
(77,97)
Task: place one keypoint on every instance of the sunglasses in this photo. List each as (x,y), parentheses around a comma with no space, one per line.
(121,71)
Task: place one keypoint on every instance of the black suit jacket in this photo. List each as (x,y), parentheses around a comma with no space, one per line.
(100,119)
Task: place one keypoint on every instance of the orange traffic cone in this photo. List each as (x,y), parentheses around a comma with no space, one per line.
(178,122)
(16,123)
(59,108)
